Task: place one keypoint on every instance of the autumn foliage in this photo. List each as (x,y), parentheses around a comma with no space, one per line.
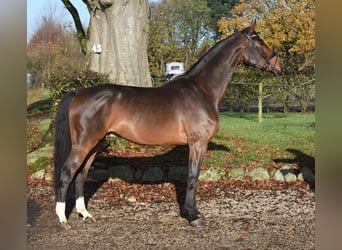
(287,26)
(184,30)
(53,49)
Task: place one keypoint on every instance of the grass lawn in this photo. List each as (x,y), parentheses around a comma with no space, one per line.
(34,95)
(282,138)
(38,116)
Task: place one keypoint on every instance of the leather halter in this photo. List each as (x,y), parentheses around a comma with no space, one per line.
(260,52)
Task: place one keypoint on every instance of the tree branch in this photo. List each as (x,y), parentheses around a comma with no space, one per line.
(81,35)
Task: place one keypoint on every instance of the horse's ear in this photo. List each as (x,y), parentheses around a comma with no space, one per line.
(251,27)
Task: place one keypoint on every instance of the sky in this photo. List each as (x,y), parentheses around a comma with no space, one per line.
(38,8)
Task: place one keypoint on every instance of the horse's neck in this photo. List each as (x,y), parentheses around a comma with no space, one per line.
(214,71)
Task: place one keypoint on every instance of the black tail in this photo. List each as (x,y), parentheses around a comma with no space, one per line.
(62,136)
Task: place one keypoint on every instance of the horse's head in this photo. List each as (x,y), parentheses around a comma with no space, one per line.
(258,54)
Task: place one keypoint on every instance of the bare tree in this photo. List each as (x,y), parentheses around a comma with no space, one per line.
(116,41)
(52,48)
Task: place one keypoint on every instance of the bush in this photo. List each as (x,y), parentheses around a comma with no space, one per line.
(64,84)
(61,84)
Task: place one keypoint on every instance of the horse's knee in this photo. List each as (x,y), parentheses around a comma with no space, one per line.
(65,173)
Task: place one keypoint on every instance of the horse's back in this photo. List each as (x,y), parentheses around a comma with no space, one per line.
(142,115)
(165,115)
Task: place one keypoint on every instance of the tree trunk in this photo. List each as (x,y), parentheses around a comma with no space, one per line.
(118,40)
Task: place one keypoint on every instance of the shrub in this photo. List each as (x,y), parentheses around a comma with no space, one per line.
(62,84)
(65,83)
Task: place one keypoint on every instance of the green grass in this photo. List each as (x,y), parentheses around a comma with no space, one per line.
(36,94)
(279,137)
(38,114)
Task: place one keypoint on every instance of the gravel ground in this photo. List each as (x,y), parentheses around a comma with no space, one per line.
(236,219)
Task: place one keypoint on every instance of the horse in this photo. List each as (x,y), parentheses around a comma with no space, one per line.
(184,111)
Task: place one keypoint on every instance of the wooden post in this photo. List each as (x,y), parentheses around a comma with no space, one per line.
(260,102)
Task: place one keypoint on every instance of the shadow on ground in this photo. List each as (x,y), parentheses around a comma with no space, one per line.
(33,212)
(177,156)
(302,160)
(42,107)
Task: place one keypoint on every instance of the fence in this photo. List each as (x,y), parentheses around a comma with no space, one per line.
(270,97)
(266,97)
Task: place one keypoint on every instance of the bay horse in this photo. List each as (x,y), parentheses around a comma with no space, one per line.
(182,111)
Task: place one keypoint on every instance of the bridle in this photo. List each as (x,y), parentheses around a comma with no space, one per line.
(267,61)
(260,52)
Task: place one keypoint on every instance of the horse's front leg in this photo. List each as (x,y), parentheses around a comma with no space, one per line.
(197,151)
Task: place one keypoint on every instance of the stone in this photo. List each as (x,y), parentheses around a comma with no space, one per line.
(114,179)
(272,172)
(288,173)
(154,174)
(236,173)
(38,175)
(121,172)
(48,177)
(178,173)
(306,175)
(212,174)
(41,163)
(278,176)
(290,177)
(41,152)
(285,169)
(259,174)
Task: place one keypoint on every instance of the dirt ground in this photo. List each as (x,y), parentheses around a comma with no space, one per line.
(136,216)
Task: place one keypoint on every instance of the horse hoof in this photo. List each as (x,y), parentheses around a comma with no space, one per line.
(199,222)
(91,218)
(65,225)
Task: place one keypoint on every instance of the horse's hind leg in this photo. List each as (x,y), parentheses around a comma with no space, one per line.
(72,164)
(79,183)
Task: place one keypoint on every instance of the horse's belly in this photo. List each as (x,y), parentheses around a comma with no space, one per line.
(151,135)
